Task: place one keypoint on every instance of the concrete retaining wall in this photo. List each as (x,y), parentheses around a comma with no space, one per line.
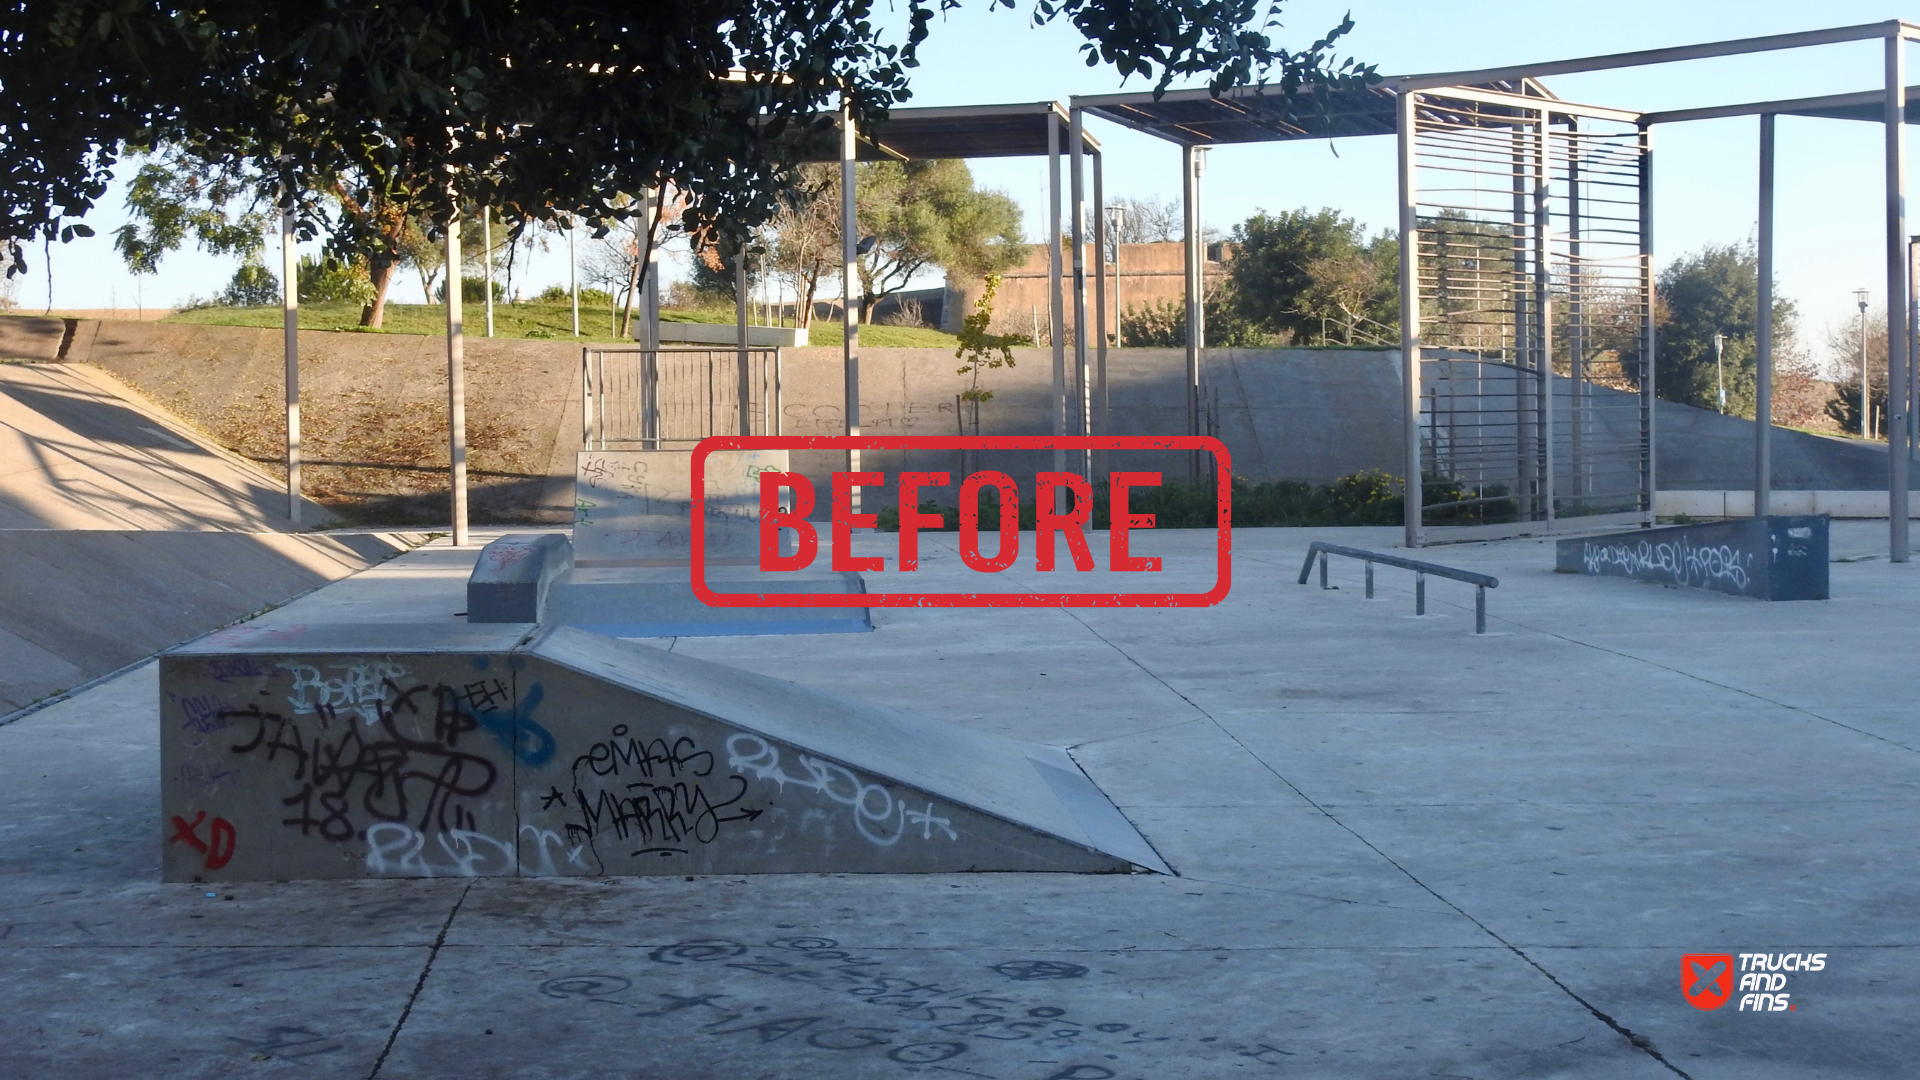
(375,412)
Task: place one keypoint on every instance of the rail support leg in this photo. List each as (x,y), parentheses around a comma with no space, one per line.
(1419,594)
(1369,581)
(1323,569)
(1480,610)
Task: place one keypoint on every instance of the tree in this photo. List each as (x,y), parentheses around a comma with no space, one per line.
(545,111)
(924,214)
(1713,290)
(806,234)
(1296,272)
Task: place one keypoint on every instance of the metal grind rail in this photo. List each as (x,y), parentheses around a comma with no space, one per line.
(1481,582)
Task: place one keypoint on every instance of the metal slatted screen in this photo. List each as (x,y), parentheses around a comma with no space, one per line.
(670,399)
(1534,314)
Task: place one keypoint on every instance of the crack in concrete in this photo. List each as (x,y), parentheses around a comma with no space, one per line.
(1638,1041)
(420,984)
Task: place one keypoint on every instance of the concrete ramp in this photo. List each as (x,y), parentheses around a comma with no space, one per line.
(424,751)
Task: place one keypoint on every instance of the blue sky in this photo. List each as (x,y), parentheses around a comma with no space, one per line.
(1829,203)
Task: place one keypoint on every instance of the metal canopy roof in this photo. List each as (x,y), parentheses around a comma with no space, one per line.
(1259,114)
(966,131)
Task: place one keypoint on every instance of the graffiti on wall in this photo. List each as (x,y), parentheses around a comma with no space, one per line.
(1679,561)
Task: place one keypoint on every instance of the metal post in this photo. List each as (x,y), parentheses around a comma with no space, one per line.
(586,400)
(1866,396)
(1409,319)
(1897,358)
(1419,593)
(849,271)
(743,376)
(1191,159)
(1648,476)
(573,270)
(290,329)
(1102,427)
(1913,343)
(1763,335)
(1576,318)
(1526,457)
(1323,569)
(1480,609)
(486,259)
(1720,370)
(456,385)
(1055,316)
(1369,580)
(1082,379)
(1543,306)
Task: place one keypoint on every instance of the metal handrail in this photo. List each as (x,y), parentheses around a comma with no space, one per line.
(1320,549)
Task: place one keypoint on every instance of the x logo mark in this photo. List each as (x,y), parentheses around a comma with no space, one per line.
(1705,978)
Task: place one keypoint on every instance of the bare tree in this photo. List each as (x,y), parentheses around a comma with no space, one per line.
(805,241)
(1146,221)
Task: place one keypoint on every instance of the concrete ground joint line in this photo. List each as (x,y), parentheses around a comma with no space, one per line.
(420,984)
(1720,685)
(1641,1042)
(1134,734)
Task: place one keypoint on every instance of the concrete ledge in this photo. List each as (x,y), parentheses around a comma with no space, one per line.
(1771,558)
(511,579)
(1739,503)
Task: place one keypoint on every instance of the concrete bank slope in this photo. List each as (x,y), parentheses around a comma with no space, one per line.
(77,604)
(81,450)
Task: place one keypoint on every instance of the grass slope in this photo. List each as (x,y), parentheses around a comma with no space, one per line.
(530,320)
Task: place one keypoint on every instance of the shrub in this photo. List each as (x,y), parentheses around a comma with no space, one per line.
(253,285)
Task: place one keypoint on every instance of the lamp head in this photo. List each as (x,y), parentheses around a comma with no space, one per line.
(1861,296)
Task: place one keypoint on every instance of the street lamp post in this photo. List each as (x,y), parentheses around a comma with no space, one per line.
(1719,370)
(1866,394)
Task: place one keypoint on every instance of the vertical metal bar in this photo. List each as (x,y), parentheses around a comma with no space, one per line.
(1419,593)
(1056,334)
(1082,380)
(586,401)
(1190,200)
(1763,334)
(1897,359)
(1648,475)
(1480,609)
(1543,307)
(1102,426)
(486,259)
(1409,318)
(456,386)
(1323,569)
(779,414)
(1369,579)
(849,256)
(290,343)
(1576,318)
(1526,477)
(743,376)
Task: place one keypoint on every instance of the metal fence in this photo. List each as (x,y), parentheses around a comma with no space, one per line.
(671,398)
(1535,303)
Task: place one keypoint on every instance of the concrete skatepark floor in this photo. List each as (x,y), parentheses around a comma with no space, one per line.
(1401,849)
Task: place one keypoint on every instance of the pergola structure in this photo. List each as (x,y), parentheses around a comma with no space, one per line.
(969,131)
(1527,261)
